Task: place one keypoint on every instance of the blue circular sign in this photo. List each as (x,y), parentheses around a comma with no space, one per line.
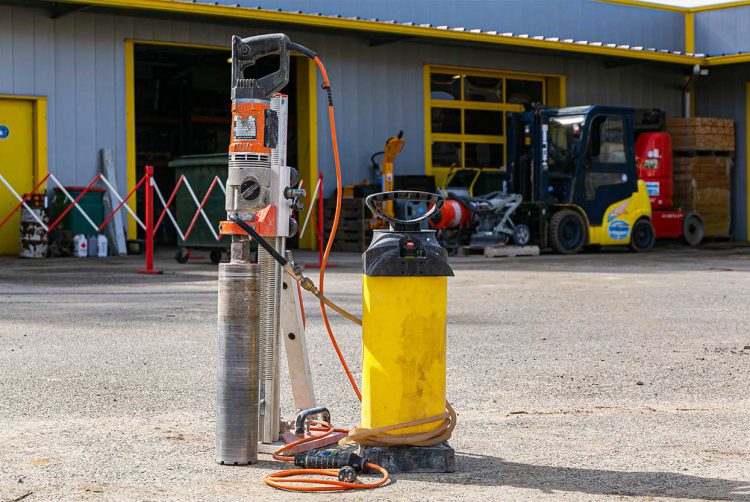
(4,132)
(619,230)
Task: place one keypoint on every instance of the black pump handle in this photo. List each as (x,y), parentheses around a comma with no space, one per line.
(245,52)
(406,225)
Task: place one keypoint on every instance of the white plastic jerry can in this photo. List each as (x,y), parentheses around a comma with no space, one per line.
(92,246)
(101,246)
(80,246)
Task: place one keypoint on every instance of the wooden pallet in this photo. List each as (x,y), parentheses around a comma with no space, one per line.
(702,134)
(353,233)
(499,251)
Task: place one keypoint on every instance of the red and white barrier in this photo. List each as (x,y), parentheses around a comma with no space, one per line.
(317,198)
(183,181)
(149,227)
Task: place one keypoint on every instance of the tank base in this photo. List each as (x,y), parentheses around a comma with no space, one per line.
(400,459)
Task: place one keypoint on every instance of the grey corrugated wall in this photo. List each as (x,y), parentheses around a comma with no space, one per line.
(722,94)
(78,62)
(580,19)
(723,31)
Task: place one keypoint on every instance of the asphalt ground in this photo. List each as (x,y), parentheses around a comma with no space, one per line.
(604,376)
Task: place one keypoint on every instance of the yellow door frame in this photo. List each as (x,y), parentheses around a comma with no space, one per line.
(307,134)
(747,160)
(39,125)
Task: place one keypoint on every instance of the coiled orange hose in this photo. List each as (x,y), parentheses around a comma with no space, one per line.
(285,480)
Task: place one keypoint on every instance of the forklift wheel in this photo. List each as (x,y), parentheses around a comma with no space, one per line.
(567,232)
(215,256)
(182,255)
(521,235)
(642,236)
(692,229)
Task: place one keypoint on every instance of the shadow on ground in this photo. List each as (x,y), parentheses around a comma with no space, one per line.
(493,471)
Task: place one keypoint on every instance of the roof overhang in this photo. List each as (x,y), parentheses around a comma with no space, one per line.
(393,29)
(379,31)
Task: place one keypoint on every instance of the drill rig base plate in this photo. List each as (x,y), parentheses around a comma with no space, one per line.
(399,459)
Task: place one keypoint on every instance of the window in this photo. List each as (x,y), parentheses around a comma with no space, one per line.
(594,180)
(607,143)
(564,136)
(466,110)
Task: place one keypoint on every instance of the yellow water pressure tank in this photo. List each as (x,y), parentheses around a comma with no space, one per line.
(404,303)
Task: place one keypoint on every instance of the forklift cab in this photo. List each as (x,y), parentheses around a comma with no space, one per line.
(579,161)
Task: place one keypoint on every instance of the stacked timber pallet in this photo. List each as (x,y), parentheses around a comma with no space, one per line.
(703,151)
(354,233)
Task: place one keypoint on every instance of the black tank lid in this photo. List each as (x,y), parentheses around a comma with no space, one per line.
(405,253)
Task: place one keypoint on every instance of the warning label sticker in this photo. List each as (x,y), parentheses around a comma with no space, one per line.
(652,187)
(245,128)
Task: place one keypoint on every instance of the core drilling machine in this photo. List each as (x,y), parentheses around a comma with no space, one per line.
(405,418)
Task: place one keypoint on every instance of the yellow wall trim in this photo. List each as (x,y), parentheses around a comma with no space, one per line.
(186,45)
(647,5)
(307,142)
(727,5)
(747,157)
(677,8)
(130,131)
(689,32)
(743,57)
(39,109)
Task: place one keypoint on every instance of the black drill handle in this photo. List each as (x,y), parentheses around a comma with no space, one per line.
(329,459)
(404,225)
(245,52)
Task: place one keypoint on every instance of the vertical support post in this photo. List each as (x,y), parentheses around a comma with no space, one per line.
(149,210)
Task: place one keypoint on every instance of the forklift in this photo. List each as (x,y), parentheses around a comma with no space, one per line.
(576,171)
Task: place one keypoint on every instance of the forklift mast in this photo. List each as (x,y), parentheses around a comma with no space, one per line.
(525,175)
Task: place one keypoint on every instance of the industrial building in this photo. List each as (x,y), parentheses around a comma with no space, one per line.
(149,79)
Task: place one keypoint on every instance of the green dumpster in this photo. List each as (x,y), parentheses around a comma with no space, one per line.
(200,171)
(92,204)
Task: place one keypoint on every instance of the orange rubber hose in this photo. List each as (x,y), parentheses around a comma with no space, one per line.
(334,227)
(286,480)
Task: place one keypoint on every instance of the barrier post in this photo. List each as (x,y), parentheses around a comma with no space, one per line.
(149,213)
(320,228)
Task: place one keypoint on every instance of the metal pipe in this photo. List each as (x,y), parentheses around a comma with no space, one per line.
(237,358)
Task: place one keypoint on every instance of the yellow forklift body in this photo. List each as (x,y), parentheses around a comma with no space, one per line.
(620,217)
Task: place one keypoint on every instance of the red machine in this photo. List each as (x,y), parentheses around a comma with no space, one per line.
(453,214)
(653,153)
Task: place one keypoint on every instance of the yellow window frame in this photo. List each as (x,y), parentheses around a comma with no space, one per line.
(553,92)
